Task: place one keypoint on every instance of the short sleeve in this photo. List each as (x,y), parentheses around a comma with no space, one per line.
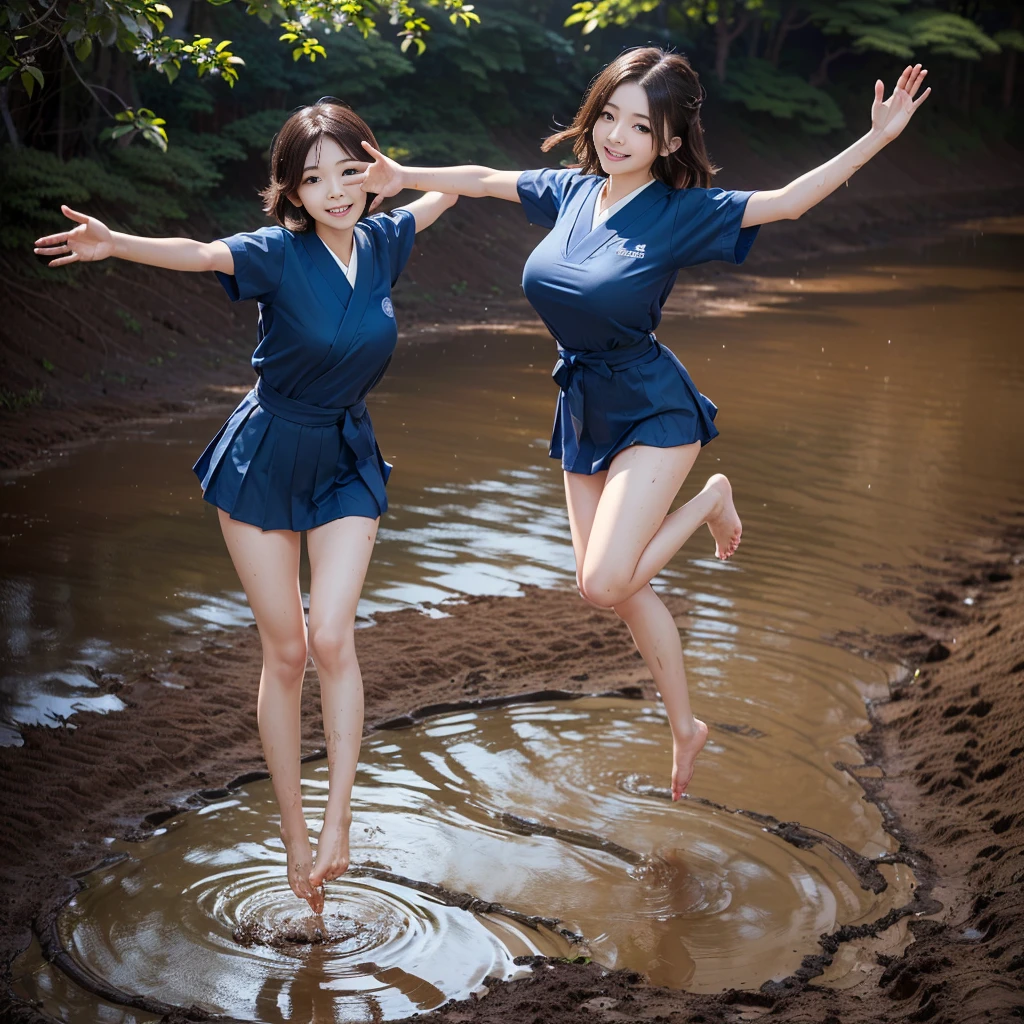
(259,264)
(398,229)
(707,227)
(543,192)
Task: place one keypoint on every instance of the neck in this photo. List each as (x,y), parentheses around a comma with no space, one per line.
(338,240)
(620,185)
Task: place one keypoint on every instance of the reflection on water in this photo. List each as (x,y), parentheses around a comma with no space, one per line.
(867,413)
(697,898)
(871,414)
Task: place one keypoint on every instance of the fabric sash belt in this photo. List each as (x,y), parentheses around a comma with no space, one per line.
(356,430)
(568,371)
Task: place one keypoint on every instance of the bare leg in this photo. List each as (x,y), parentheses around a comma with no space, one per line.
(633,537)
(339,553)
(268,567)
(653,630)
(657,639)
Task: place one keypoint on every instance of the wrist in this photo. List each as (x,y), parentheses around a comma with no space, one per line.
(119,244)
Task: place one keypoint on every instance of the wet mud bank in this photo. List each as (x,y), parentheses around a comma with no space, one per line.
(944,762)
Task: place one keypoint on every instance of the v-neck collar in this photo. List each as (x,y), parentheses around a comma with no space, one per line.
(582,243)
(327,263)
(618,204)
(354,299)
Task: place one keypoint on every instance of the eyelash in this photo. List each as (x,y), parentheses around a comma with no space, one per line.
(315,178)
(643,128)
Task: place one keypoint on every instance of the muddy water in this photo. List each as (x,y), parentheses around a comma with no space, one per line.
(871,414)
(485,803)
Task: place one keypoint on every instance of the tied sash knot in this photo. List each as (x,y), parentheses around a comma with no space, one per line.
(356,431)
(568,372)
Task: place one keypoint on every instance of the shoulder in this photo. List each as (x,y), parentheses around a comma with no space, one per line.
(270,238)
(383,227)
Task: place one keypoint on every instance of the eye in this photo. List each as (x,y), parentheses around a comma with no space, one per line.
(607,114)
(310,180)
(642,128)
(350,170)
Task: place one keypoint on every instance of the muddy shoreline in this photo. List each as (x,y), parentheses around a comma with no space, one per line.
(947,742)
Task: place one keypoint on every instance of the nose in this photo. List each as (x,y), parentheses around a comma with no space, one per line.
(614,133)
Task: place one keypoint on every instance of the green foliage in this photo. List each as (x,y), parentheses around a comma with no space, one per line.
(950,34)
(759,87)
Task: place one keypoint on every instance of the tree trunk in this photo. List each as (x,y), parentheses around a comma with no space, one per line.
(965,100)
(754,40)
(1010,67)
(820,76)
(5,111)
(724,36)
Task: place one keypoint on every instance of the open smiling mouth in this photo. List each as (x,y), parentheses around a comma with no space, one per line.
(613,155)
(339,211)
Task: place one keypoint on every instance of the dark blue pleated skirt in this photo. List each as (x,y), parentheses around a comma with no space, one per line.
(278,474)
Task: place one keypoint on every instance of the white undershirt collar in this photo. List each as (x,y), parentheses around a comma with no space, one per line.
(600,217)
(353,260)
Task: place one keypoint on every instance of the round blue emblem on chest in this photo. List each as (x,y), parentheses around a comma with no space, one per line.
(389,310)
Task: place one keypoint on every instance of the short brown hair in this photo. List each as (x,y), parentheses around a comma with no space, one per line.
(305,128)
(674,93)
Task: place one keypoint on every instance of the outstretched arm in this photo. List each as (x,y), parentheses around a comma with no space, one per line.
(429,207)
(387,177)
(888,119)
(92,240)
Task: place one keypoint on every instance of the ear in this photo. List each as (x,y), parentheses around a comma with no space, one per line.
(673,144)
(294,199)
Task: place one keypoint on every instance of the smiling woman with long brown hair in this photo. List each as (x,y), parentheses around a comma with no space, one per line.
(630,422)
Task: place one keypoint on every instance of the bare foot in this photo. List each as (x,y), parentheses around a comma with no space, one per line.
(332,848)
(684,752)
(300,863)
(724,523)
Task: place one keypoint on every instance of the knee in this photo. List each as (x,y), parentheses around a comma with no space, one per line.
(286,659)
(332,646)
(601,588)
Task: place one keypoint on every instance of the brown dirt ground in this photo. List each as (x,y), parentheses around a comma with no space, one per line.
(949,741)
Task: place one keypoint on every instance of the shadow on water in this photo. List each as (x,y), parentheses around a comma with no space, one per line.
(871,415)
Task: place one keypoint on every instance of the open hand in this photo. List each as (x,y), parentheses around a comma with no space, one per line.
(888,119)
(89,242)
(383,177)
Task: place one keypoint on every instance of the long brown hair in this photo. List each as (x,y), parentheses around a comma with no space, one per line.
(305,128)
(674,94)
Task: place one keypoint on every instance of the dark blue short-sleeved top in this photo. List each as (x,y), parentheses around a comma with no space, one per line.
(600,292)
(299,449)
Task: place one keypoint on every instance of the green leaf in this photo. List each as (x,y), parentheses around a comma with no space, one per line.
(6,72)
(83,48)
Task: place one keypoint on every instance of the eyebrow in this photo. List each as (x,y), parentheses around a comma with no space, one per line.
(345,160)
(610,104)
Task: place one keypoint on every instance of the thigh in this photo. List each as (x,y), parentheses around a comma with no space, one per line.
(582,495)
(267,563)
(641,486)
(339,553)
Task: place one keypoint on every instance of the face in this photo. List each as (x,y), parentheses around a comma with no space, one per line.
(325,191)
(622,133)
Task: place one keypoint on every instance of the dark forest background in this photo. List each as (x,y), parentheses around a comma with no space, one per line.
(194,149)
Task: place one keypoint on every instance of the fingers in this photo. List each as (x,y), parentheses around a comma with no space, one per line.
(917,81)
(904,78)
(58,239)
(82,218)
(920,99)
(72,257)
(374,153)
(58,249)
(879,90)
(376,202)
